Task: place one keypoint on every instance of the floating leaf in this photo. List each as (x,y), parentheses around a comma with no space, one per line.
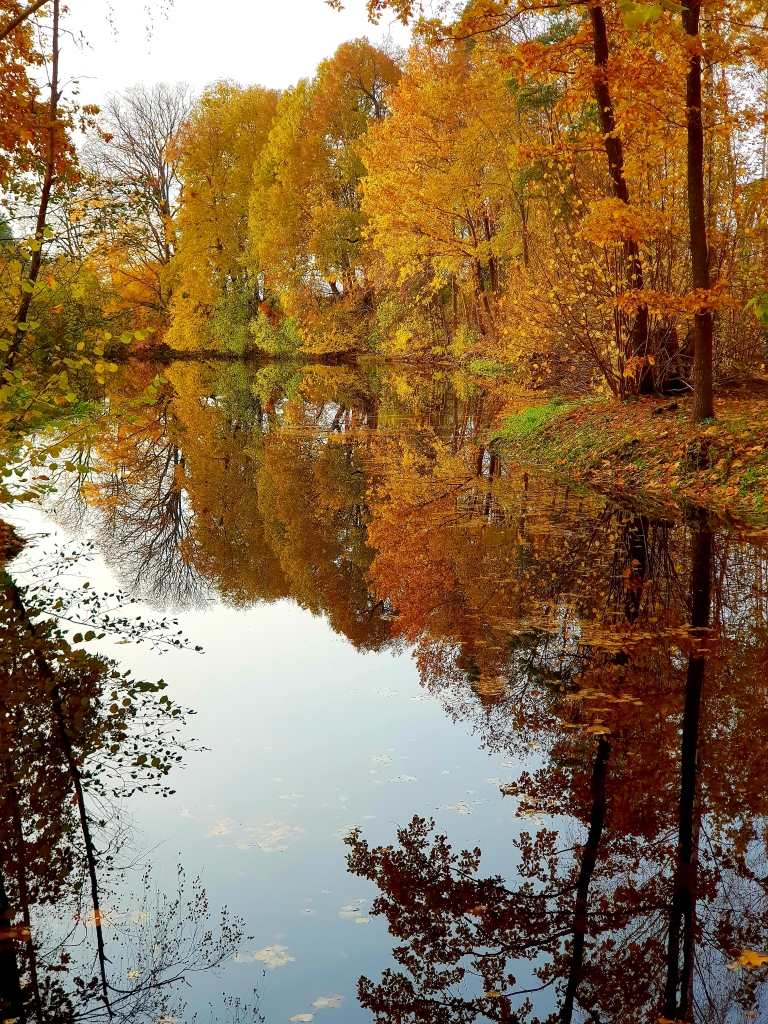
(749,959)
(330,1002)
(271,956)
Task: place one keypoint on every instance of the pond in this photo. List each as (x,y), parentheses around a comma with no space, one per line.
(449,740)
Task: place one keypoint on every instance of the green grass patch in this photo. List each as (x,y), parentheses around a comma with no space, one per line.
(527,422)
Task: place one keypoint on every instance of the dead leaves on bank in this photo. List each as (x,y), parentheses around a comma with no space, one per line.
(650,450)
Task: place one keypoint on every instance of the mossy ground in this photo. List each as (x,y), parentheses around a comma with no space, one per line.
(650,452)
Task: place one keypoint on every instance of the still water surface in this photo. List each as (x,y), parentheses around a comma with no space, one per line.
(411,649)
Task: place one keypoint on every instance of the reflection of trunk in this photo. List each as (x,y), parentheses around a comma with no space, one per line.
(85,826)
(588,861)
(21,879)
(11,1001)
(340,414)
(43,667)
(637,548)
(681,925)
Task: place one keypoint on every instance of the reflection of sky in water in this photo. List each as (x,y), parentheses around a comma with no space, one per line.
(305,737)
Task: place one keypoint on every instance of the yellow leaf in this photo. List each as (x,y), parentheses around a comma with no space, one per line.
(749,959)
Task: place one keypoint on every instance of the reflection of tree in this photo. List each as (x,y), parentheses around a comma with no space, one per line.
(147,520)
(553,621)
(75,734)
(682,912)
(255,485)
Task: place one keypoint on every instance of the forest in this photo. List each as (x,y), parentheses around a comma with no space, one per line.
(574,191)
(443,368)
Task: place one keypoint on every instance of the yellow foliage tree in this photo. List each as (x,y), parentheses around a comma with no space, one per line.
(216,290)
(444,193)
(306,221)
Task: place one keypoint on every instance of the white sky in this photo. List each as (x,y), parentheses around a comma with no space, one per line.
(264,42)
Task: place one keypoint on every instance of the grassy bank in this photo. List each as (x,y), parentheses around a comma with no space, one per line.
(650,452)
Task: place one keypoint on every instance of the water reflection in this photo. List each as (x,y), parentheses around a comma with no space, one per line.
(255,489)
(632,653)
(624,657)
(78,736)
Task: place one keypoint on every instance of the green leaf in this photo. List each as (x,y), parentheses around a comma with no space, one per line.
(637,16)
(759,306)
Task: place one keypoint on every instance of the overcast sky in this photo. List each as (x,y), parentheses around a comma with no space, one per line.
(265,42)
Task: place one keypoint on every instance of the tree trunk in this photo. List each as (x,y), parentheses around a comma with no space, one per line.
(703,407)
(45,196)
(523,228)
(638,339)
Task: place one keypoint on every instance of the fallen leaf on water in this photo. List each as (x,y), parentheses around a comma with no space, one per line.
(303,1016)
(332,1002)
(272,956)
(362,920)
(103,916)
(351,910)
(220,828)
(273,836)
(749,959)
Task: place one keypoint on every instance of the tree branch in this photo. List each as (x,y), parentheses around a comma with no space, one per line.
(20,17)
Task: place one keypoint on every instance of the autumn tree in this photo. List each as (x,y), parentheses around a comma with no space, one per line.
(134,165)
(306,221)
(442,194)
(216,293)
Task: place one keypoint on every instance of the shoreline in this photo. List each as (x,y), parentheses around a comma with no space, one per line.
(649,453)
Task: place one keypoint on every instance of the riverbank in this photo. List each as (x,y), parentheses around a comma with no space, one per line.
(650,452)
